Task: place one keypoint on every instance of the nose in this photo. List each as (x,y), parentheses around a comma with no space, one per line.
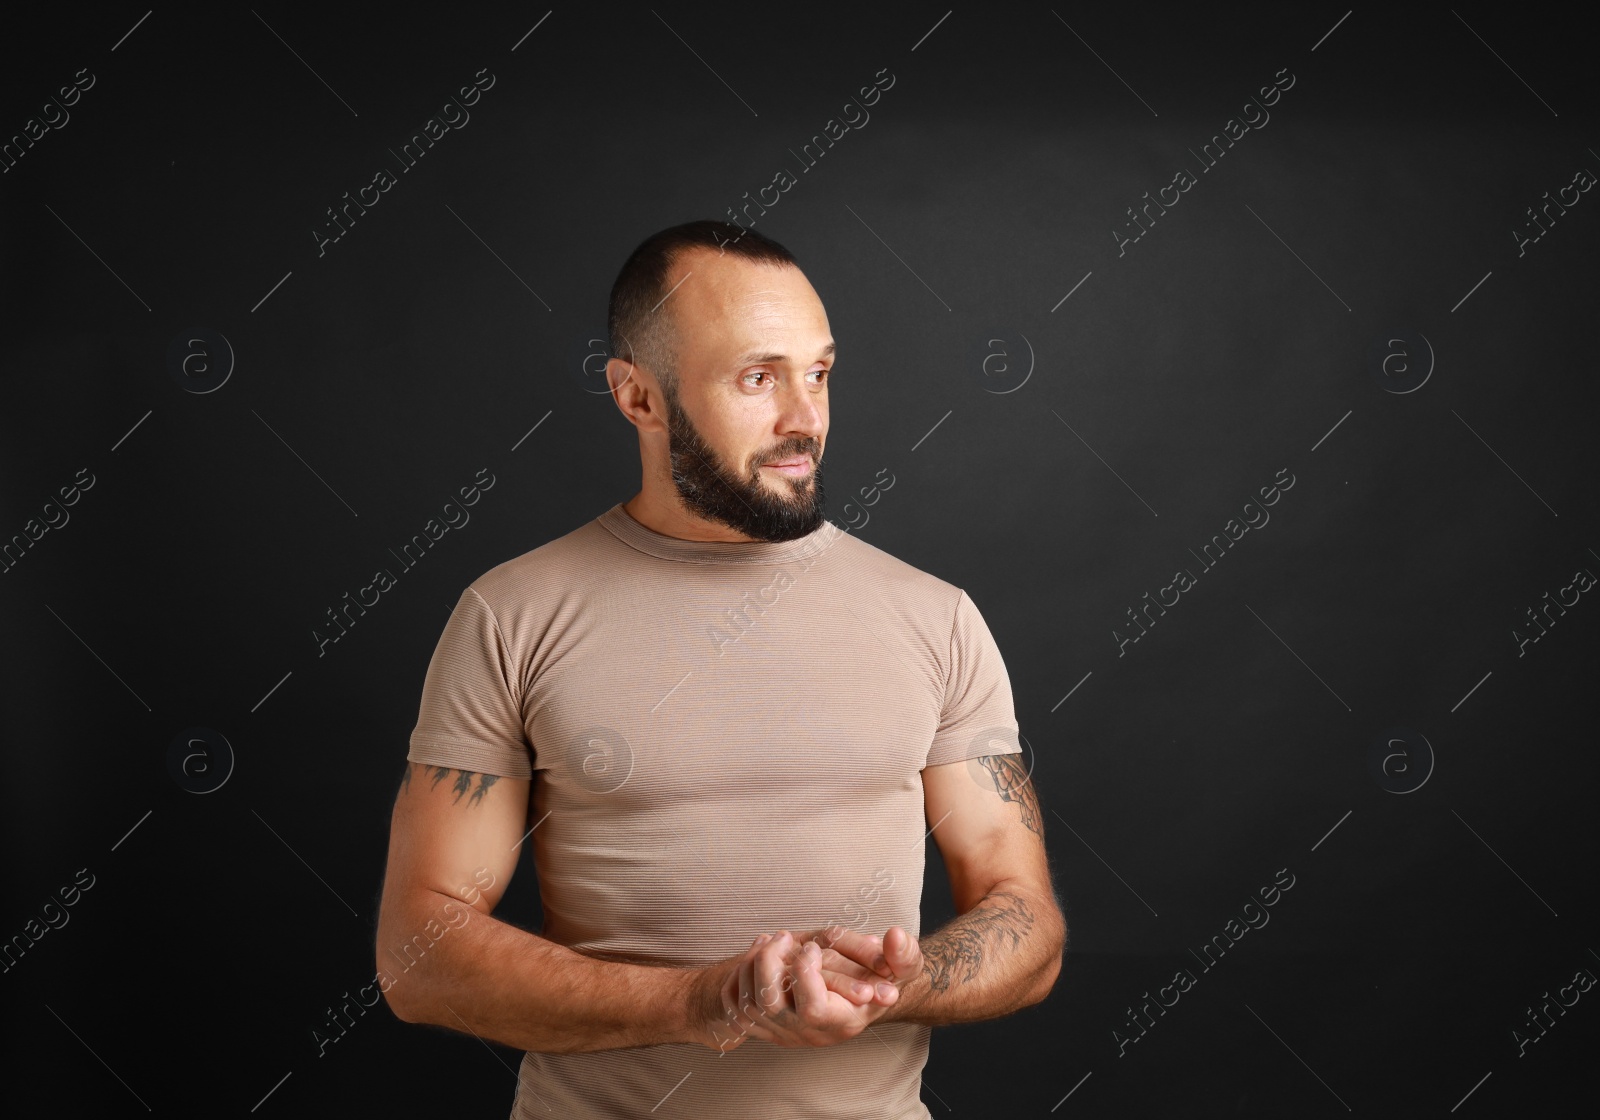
(803,413)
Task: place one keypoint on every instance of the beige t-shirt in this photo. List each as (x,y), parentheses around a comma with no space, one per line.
(728,739)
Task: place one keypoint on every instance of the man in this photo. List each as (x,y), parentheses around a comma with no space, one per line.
(728,727)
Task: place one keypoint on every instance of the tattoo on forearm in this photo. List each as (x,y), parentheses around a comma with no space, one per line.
(1000,922)
(462,785)
(1012,783)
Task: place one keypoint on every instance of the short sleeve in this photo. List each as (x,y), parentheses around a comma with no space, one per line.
(979,717)
(470,717)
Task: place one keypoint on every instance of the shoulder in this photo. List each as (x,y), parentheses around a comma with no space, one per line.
(896,578)
(550,571)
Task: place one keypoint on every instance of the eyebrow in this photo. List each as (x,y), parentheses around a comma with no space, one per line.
(756,359)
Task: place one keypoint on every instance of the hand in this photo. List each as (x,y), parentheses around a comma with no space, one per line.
(724,998)
(816,989)
(895,957)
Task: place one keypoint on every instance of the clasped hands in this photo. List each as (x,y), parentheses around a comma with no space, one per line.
(814,988)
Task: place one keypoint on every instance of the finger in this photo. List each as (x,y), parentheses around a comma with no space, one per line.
(770,966)
(848,986)
(732,1002)
(901,953)
(833,962)
(810,992)
(865,949)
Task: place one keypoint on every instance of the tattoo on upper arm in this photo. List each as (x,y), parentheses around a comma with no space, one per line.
(1011,781)
(954,955)
(462,785)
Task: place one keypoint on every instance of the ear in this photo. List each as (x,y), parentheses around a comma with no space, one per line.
(637,394)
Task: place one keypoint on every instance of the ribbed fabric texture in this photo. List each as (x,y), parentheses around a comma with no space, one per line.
(727,738)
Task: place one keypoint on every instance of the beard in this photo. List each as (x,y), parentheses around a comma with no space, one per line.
(740,498)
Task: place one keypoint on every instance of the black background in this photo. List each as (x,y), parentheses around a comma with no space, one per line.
(446,332)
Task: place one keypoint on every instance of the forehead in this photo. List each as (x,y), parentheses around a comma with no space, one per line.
(720,294)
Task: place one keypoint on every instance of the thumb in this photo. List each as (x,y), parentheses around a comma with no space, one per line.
(901,952)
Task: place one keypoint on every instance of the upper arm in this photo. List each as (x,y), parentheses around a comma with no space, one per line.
(457,829)
(454,832)
(985,816)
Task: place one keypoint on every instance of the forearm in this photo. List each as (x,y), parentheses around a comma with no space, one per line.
(1000,956)
(521,990)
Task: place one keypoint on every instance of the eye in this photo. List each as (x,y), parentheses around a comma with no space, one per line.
(823,375)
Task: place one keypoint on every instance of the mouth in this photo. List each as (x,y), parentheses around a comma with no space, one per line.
(799,465)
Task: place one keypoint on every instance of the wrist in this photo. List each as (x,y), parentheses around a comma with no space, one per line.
(914,994)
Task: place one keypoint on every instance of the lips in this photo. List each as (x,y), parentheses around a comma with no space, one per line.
(797,461)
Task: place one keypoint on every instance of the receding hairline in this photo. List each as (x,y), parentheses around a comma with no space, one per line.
(756,357)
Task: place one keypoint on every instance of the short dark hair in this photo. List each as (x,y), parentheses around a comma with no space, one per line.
(638,333)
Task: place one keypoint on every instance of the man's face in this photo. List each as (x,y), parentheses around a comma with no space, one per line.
(753,358)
